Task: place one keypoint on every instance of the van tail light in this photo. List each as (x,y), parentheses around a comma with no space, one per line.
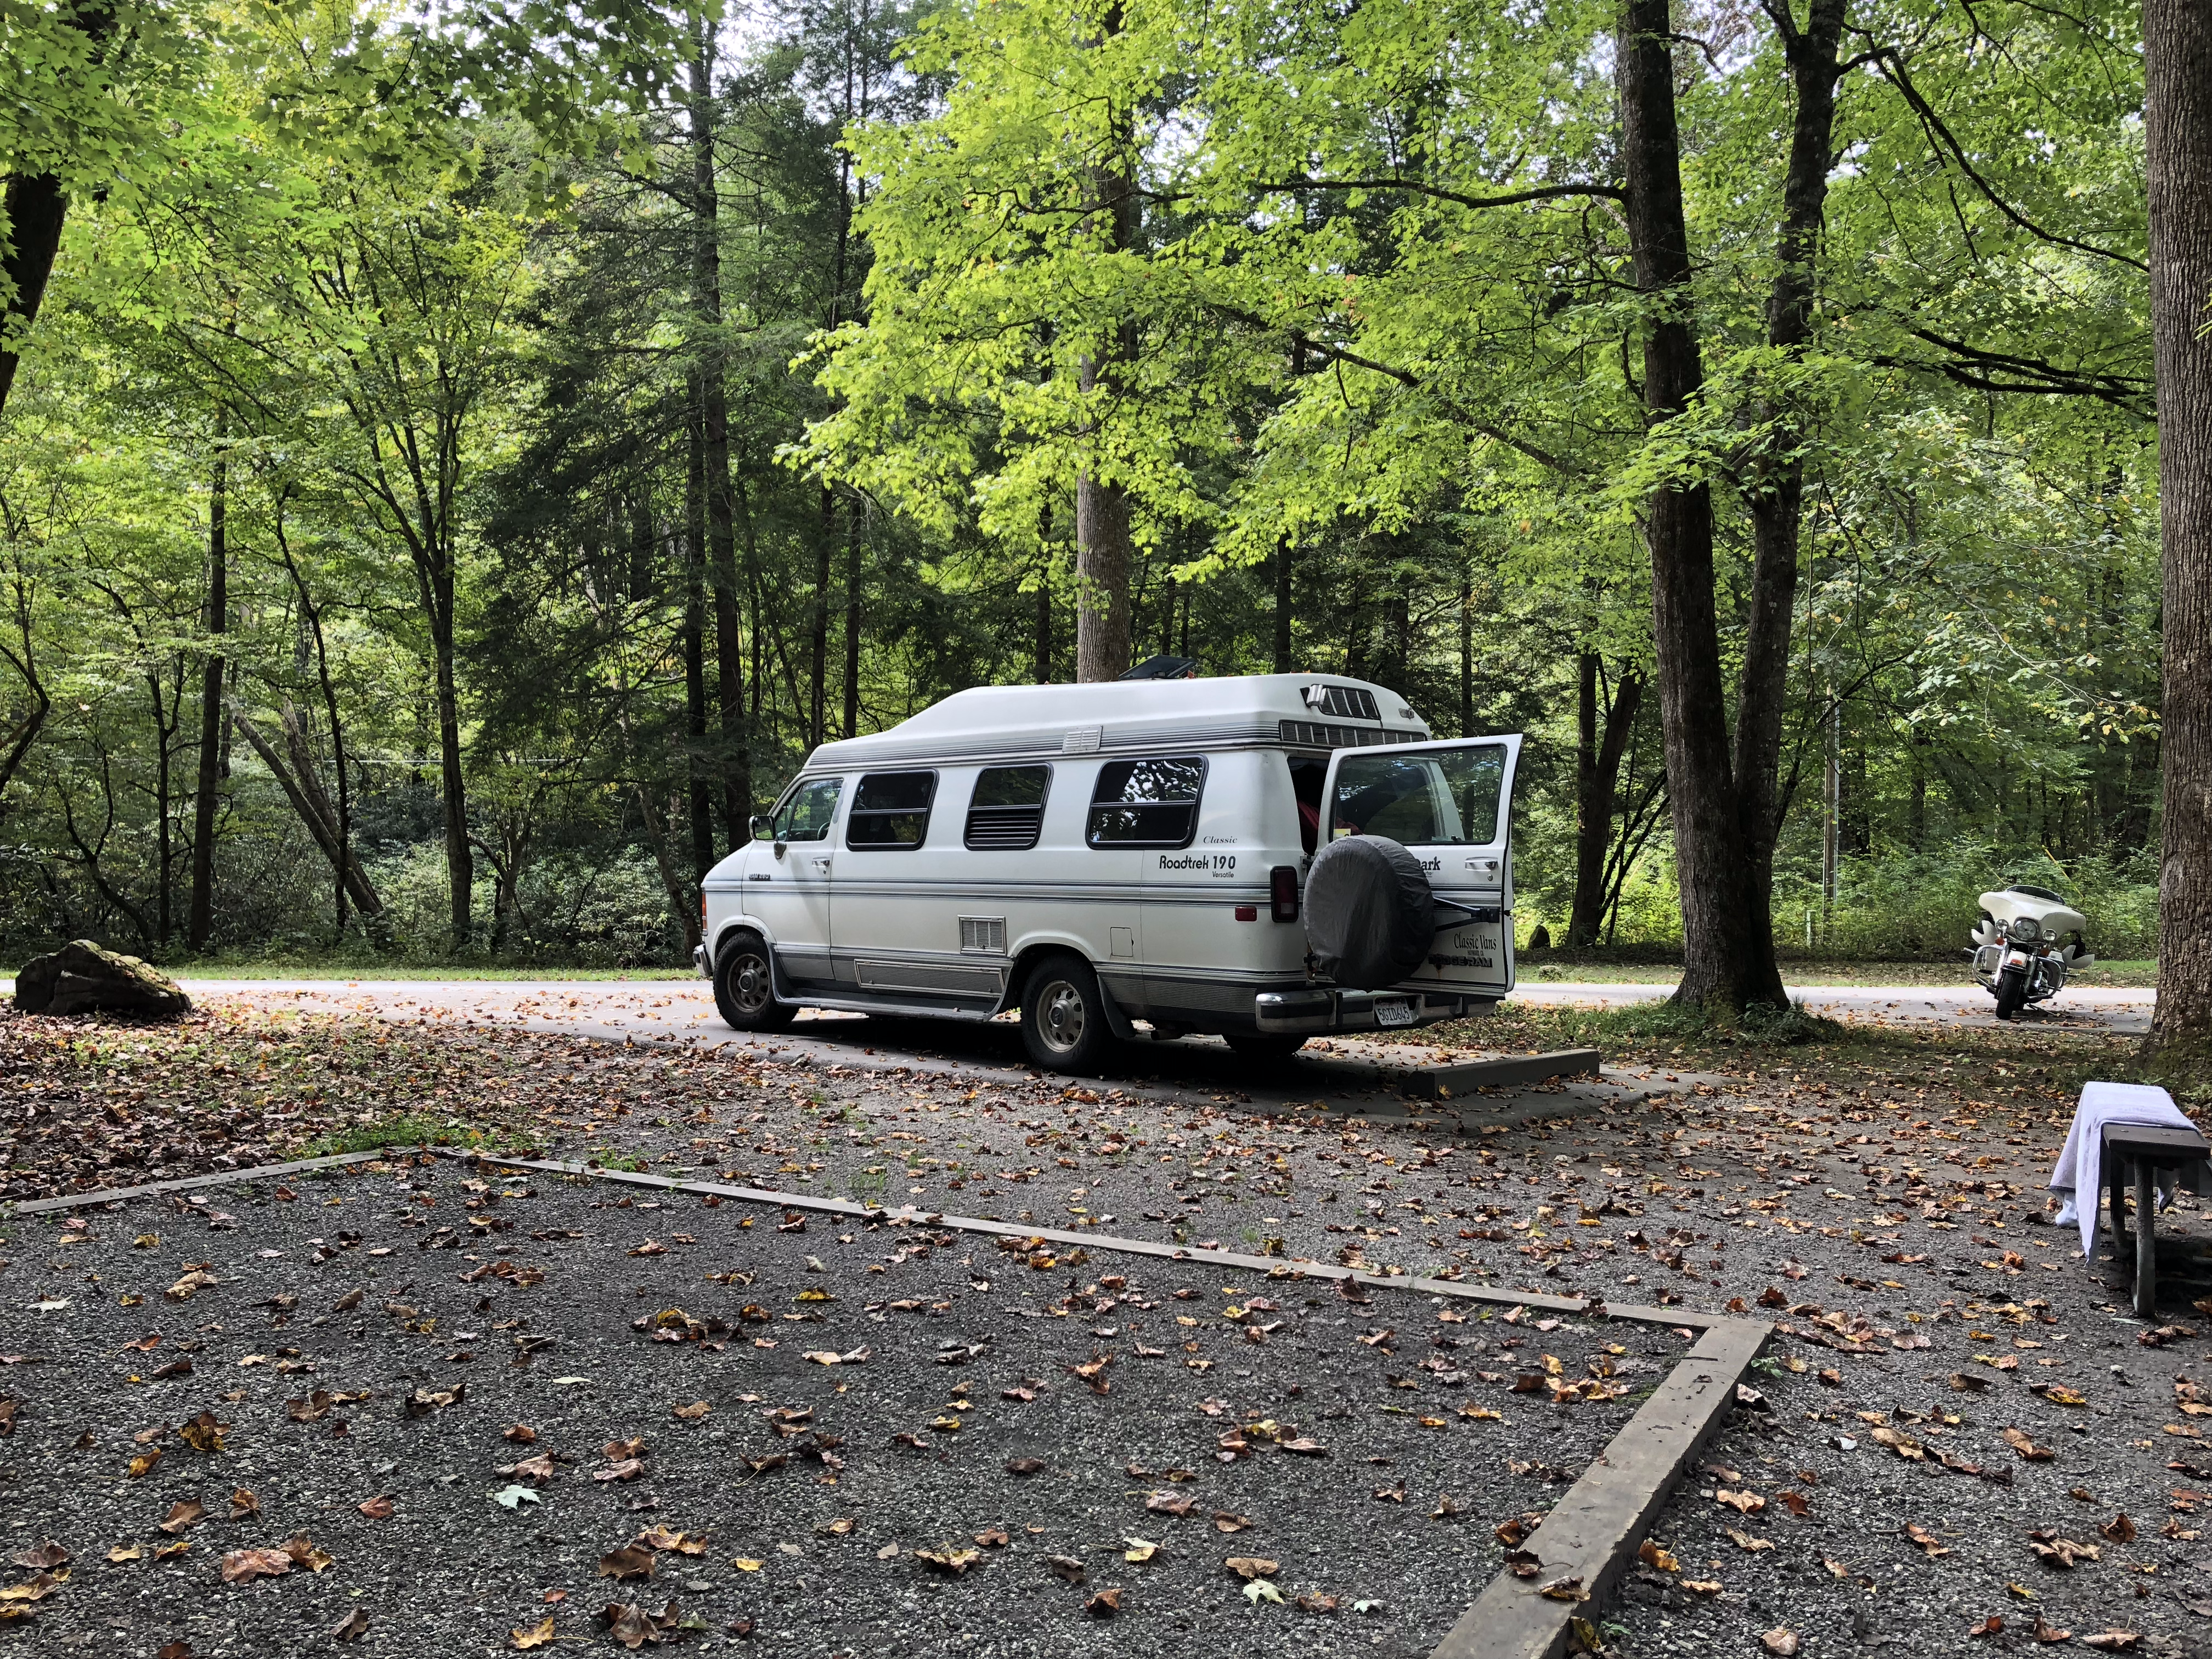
(1283,892)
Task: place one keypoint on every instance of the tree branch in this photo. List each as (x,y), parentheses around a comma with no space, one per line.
(1540,193)
(1892,68)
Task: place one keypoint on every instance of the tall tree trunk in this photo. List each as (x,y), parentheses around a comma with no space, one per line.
(818,639)
(1597,785)
(696,761)
(199,919)
(452,788)
(1040,652)
(734,762)
(1283,596)
(1776,482)
(852,548)
(163,925)
(36,208)
(305,791)
(1728,953)
(2178,140)
(1466,655)
(1104,552)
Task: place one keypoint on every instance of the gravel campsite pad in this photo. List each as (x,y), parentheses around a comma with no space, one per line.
(433,1404)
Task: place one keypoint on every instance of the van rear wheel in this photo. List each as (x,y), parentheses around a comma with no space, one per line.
(1063,1016)
(1264,1048)
(745,991)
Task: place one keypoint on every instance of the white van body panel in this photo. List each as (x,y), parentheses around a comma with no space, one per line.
(1178,925)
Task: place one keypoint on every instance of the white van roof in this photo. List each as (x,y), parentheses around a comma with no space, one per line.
(1244,711)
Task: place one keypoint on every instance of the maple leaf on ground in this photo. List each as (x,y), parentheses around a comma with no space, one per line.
(187,1510)
(1104,1605)
(537,1636)
(39,1557)
(352,1627)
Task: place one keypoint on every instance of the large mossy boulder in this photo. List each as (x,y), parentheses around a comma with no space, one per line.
(82,978)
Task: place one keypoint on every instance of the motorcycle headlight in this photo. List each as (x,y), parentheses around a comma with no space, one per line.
(2026,927)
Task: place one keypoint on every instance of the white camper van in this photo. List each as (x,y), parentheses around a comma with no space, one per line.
(1099,854)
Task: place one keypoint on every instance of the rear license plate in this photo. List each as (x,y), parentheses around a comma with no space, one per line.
(1394,1011)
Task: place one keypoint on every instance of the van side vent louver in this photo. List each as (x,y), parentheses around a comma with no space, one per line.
(1004,828)
(983,936)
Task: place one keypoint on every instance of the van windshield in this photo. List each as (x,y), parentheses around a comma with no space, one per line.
(1448,799)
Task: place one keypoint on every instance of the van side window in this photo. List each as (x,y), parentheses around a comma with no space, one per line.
(1006,813)
(808,814)
(1147,803)
(891,810)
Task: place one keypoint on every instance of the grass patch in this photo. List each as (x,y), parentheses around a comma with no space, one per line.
(1539,967)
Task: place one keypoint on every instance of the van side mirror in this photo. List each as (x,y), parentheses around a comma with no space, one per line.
(763,827)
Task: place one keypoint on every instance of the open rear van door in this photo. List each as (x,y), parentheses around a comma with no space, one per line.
(1451,806)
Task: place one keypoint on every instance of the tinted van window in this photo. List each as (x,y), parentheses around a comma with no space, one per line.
(891,810)
(1147,803)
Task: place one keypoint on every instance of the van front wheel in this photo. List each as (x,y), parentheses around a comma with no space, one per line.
(1063,1016)
(744,988)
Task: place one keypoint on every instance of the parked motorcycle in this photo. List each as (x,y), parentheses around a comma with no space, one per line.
(2028,940)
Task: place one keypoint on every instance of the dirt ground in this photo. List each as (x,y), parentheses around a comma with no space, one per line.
(1879,1197)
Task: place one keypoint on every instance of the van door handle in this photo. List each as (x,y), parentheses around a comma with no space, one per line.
(822,866)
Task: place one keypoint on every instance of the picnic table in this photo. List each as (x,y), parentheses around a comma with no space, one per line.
(2132,1155)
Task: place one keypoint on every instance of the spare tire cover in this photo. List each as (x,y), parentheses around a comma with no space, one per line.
(1369,914)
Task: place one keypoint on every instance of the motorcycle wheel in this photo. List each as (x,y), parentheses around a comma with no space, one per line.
(2012,993)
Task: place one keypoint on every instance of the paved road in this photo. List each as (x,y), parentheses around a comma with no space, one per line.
(679,1008)
(682,1012)
(2122,1010)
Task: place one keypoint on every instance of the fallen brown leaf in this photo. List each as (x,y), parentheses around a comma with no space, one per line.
(630,1561)
(242,1566)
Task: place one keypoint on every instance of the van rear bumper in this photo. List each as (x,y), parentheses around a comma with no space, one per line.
(1318,1011)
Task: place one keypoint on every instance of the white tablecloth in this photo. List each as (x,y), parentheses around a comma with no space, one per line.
(2075,1175)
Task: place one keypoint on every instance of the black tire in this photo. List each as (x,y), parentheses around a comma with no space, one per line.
(1369,915)
(743,986)
(1064,1017)
(1264,1048)
(2012,993)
